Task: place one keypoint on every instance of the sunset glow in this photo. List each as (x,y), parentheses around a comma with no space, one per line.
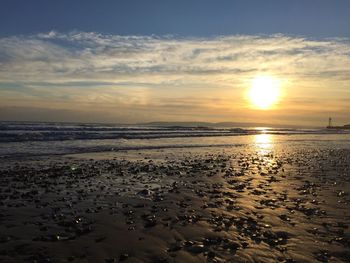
(115,74)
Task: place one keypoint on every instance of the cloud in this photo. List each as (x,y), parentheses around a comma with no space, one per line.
(80,55)
(143,72)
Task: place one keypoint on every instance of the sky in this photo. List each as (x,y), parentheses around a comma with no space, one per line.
(140,61)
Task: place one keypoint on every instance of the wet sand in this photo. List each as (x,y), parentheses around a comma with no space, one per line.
(178,205)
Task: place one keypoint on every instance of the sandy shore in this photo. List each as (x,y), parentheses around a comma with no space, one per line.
(210,205)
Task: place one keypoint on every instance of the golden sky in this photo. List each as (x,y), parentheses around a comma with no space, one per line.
(92,77)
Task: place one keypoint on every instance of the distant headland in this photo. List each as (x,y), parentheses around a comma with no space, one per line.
(345,127)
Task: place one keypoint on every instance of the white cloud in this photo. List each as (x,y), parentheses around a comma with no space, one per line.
(80,55)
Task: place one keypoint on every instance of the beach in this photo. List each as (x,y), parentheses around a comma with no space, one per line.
(245,198)
(174,131)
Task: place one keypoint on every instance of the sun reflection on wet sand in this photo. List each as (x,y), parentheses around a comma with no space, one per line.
(263,142)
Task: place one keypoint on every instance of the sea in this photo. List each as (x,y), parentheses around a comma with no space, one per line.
(27,139)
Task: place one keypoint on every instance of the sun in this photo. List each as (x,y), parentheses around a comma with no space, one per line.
(264,92)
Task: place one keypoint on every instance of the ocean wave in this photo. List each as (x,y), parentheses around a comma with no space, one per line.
(26,132)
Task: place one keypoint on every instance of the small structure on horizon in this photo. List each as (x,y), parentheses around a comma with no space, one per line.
(330,126)
(329,122)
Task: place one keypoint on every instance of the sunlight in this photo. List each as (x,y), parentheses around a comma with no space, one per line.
(264,92)
(263,141)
